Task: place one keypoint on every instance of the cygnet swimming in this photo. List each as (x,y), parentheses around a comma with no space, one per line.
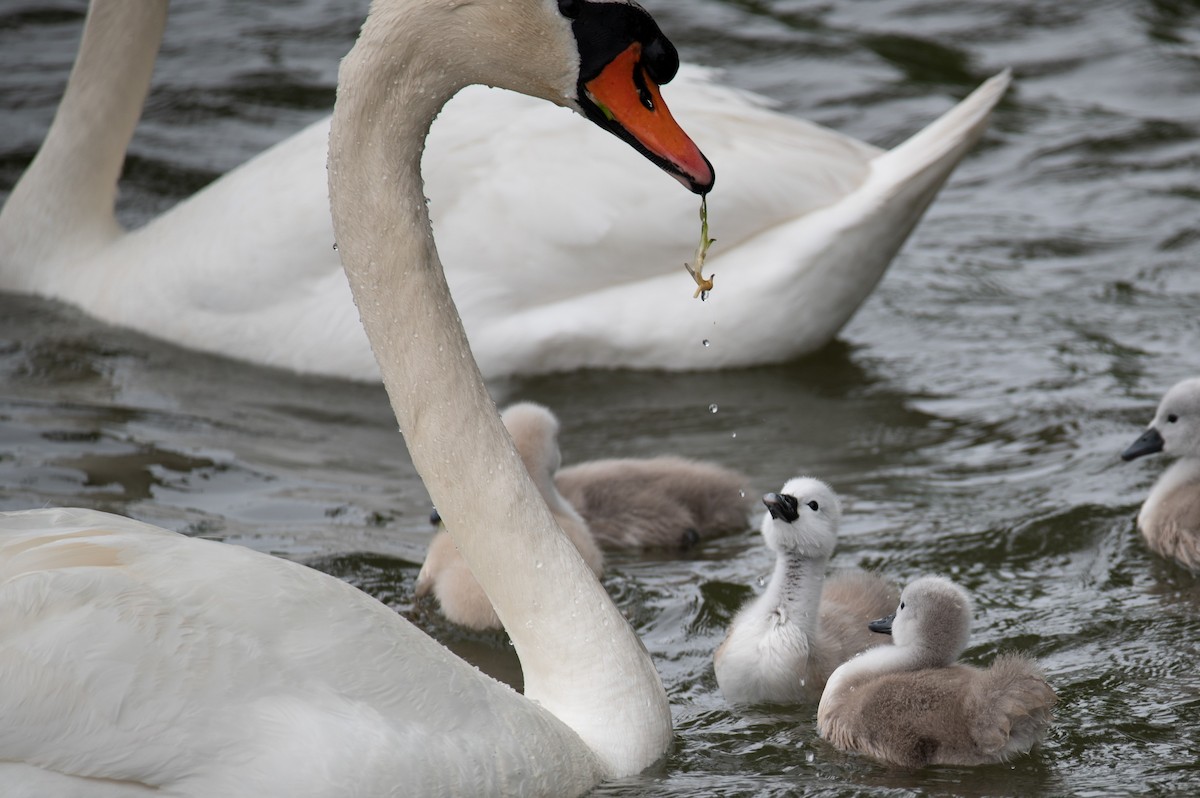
(1170,517)
(910,704)
(657,502)
(534,430)
(783,645)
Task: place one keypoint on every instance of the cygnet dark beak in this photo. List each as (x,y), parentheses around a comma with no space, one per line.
(782,506)
(883,625)
(1150,442)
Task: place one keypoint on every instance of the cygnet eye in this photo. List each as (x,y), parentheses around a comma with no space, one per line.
(901,605)
(1172,418)
(813,505)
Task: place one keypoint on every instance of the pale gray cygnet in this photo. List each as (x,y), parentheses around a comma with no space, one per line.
(1170,517)
(912,704)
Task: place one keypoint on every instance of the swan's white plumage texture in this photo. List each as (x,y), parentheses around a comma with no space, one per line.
(132,653)
(802,214)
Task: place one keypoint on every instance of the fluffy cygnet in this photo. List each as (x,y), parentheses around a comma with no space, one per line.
(658,502)
(911,705)
(534,430)
(1170,518)
(783,645)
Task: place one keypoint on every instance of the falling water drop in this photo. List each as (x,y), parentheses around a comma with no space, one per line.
(335,246)
(705,341)
(733,435)
(742,493)
(809,757)
(713,408)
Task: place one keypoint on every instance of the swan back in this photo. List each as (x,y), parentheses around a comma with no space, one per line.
(134,654)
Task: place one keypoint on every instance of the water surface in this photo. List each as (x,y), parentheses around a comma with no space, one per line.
(970,415)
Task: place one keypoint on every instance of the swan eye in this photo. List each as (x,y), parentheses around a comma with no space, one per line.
(570,8)
(814,506)
(901,605)
(1172,418)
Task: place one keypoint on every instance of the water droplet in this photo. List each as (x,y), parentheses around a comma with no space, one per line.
(705,341)
(538,564)
(713,408)
(733,435)
(809,757)
(742,493)
(335,246)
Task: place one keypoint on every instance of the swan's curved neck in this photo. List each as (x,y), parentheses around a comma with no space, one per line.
(581,659)
(65,198)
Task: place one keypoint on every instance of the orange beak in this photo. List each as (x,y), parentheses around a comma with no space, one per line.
(624,100)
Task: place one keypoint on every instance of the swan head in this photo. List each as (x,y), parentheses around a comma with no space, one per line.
(1176,425)
(604,59)
(934,615)
(802,519)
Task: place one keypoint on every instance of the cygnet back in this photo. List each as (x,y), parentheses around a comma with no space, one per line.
(658,502)
(910,704)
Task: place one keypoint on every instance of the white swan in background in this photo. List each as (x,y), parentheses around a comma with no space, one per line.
(1170,517)
(246,267)
(913,704)
(133,659)
(783,645)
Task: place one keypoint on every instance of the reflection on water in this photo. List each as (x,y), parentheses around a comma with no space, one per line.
(971,416)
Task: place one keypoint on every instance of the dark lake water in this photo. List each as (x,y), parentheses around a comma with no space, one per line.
(971,415)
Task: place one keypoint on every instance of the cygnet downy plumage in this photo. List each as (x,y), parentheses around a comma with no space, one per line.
(1170,517)
(910,704)
(783,645)
(534,430)
(656,502)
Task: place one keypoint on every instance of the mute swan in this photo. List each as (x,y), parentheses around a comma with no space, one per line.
(1170,517)
(783,645)
(804,215)
(656,502)
(134,659)
(910,704)
(534,430)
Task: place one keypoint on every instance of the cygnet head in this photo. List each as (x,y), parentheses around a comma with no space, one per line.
(934,615)
(534,430)
(802,519)
(1176,426)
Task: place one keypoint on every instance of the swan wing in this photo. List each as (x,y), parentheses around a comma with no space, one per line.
(132,654)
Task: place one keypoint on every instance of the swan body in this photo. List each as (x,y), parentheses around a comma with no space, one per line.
(656,502)
(138,661)
(783,645)
(805,215)
(444,574)
(1170,517)
(910,704)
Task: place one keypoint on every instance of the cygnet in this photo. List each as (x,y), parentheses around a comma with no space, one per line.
(657,502)
(783,645)
(1170,517)
(534,430)
(910,704)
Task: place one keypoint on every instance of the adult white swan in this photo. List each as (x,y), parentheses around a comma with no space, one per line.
(135,660)
(246,267)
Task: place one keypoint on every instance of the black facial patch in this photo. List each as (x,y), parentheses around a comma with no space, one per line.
(604,30)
